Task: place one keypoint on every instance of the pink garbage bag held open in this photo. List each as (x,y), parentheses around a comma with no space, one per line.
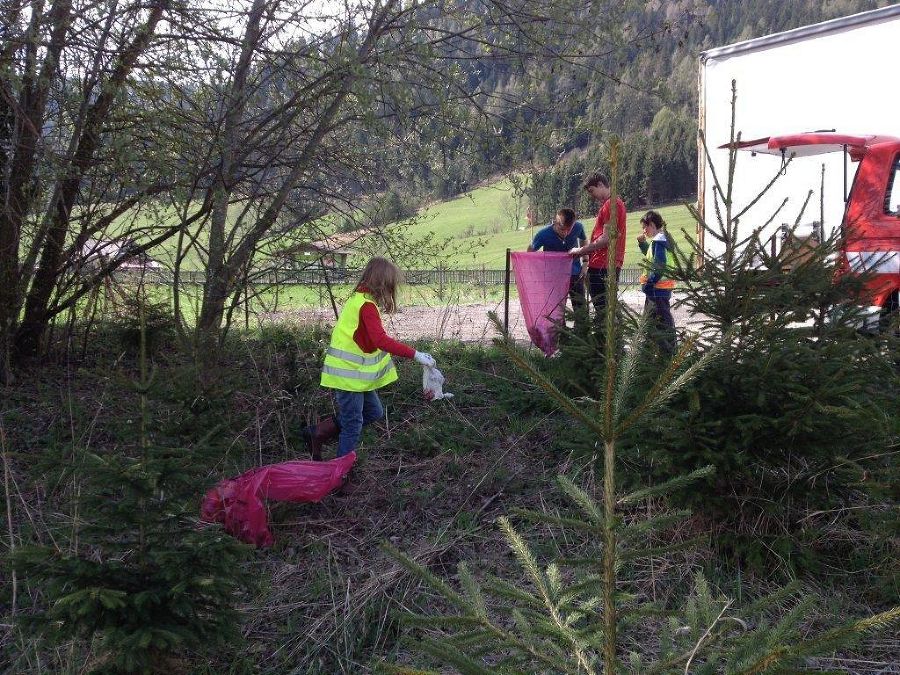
(542,279)
(239,503)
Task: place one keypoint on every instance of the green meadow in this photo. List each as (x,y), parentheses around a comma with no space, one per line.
(481,222)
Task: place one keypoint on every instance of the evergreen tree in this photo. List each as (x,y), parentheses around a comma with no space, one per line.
(139,575)
(801,405)
(578,613)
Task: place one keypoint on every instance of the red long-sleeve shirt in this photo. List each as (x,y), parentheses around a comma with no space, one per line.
(599,257)
(370,334)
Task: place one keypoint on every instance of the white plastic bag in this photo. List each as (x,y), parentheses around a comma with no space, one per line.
(433,384)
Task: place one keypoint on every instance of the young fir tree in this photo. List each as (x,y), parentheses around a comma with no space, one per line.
(799,413)
(139,577)
(581,614)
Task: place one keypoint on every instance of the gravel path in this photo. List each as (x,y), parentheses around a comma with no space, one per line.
(466,323)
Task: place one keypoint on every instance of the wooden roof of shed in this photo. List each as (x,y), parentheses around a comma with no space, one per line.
(339,243)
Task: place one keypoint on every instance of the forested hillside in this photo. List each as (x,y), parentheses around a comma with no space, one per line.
(649,98)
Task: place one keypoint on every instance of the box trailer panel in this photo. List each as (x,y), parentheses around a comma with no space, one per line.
(835,76)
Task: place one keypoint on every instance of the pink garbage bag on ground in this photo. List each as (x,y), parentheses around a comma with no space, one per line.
(239,503)
(542,280)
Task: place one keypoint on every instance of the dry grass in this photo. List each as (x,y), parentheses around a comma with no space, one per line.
(432,480)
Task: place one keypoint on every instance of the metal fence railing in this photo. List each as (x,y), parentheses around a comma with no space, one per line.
(316,276)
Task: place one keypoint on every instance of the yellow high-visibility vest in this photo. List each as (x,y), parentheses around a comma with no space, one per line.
(649,263)
(347,367)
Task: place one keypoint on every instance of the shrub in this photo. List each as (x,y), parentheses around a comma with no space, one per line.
(138,575)
(157,318)
(800,406)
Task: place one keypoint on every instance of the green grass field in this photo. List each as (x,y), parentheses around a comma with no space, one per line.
(484,214)
(481,224)
(292,297)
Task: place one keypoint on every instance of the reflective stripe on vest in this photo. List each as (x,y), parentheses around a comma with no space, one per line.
(346,366)
(663,284)
(356,358)
(356,374)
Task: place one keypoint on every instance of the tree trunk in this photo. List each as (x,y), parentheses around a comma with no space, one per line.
(224,274)
(20,132)
(9,253)
(218,285)
(50,267)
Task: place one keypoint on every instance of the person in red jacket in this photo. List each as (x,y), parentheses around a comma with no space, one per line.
(357,362)
(597,185)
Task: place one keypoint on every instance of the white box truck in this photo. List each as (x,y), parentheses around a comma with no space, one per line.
(827,94)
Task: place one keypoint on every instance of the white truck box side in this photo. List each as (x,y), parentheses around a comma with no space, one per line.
(840,75)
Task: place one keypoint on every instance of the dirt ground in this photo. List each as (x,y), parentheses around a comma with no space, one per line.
(466,323)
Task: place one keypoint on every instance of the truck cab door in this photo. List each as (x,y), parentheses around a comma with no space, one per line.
(872,222)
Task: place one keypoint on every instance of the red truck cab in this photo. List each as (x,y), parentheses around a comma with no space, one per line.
(870,228)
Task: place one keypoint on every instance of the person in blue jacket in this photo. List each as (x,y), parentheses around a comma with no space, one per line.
(564,234)
(656,281)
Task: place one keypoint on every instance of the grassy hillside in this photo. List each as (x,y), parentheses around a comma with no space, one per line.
(482,220)
(483,223)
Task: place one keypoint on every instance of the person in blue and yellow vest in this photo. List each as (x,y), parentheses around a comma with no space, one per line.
(656,282)
(358,360)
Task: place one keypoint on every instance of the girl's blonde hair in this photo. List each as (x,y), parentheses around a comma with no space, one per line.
(381,277)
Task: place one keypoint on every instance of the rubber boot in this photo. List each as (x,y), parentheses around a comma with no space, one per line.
(349,486)
(318,435)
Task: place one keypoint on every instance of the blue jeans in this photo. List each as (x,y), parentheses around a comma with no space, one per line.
(355,410)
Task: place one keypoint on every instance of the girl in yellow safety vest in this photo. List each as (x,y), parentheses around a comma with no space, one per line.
(656,282)
(358,360)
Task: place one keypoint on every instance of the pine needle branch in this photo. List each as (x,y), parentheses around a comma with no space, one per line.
(504,589)
(669,486)
(665,378)
(445,621)
(642,528)
(450,654)
(528,562)
(564,401)
(561,521)
(581,498)
(638,553)
(667,385)
(629,364)
(837,636)
(426,576)
(473,591)
(687,666)
(772,599)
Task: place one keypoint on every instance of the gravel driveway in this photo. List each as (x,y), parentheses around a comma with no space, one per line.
(466,323)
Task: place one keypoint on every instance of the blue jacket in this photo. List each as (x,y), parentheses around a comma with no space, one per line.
(547,239)
(659,246)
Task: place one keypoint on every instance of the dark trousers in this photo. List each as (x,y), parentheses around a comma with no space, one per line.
(576,297)
(663,324)
(597,278)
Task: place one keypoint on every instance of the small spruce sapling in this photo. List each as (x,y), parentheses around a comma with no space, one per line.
(582,614)
(140,576)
